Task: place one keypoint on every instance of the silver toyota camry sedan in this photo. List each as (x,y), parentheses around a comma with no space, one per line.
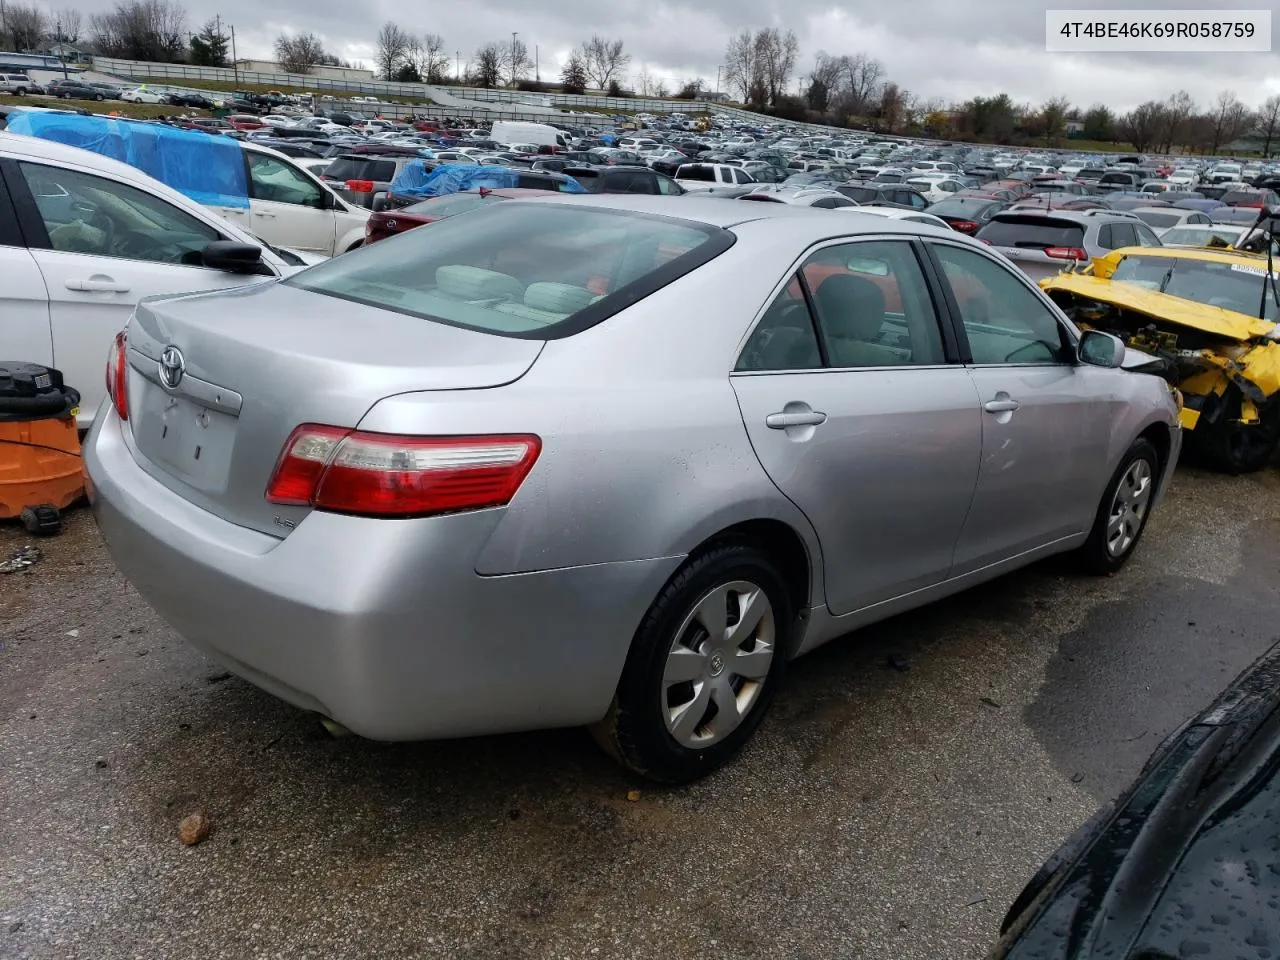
(607,461)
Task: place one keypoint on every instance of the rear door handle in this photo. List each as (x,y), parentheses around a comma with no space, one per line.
(265,216)
(1001,406)
(801,418)
(97,285)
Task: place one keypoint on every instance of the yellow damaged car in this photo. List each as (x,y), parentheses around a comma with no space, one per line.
(1208,317)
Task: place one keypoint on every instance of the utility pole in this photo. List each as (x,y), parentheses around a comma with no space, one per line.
(457,66)
(537,70)
(235,61)
(62,54)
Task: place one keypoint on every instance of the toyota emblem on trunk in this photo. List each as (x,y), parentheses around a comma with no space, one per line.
(172,367)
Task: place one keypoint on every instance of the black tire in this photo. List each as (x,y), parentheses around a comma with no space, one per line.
(1096,556)
(1232,447)
(99,96)
(20,92)
(634,731)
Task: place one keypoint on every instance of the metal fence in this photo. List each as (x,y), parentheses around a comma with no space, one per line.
(138,70)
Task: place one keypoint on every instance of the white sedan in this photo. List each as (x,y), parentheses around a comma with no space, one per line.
(935,188)
(141,95)
(83,238)
(898,213)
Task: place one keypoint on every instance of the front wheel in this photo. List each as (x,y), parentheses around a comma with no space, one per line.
(703,667)
(20,92)
(1122,514)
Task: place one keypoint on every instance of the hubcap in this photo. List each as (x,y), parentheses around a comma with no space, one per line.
(1129,508)
(718,664)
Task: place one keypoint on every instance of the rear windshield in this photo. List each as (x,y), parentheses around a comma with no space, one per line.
(359,168)
(1199,235)
(530,270)
(452,204)
(707,174)
(861,194)
(1154,218)
(1032,232)
(960,207)
(1232,286)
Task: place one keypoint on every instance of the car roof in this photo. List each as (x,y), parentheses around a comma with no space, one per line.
(728,212)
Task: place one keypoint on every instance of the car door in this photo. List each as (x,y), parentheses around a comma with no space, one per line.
(101,245)
(24,300)
(1044,415)
(287,207)
(859,418)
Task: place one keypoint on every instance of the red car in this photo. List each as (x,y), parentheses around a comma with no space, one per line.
(387,223)
(244,121)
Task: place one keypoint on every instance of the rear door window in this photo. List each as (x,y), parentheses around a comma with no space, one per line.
(1032,233)
(1124,234)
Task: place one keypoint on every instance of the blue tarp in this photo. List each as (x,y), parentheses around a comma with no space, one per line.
(415,180)
(208,169)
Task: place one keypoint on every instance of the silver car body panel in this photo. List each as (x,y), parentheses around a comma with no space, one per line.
(521,616)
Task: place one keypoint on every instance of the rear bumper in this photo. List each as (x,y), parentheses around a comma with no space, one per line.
(382,625)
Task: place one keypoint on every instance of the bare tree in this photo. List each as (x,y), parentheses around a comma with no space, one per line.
(515,60)
(1268,123)
(142,30)
(299,54)
(644,81)
(67,24)
(604,60)
(1145,124)
(434,65)
(660,89)
(1228,120)
(486,68)
(1178,110)
(862,75)
(24,25)
(741,67)
(392,48)
(775,54)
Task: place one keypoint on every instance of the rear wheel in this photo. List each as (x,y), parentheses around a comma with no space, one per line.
(1230,446)
(1122,514)
(20,92)
(703,667)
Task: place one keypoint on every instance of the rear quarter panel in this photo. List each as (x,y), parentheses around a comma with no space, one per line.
(644,451)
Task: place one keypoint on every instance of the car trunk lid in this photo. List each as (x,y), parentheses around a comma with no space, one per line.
(257,362)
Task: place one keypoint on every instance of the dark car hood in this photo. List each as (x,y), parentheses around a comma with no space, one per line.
(1187,865)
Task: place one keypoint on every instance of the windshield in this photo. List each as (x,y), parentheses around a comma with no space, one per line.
(1231,286)
(1154,218)
(451,205)
(530,270)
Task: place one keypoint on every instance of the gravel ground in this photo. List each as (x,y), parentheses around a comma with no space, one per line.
(882,811)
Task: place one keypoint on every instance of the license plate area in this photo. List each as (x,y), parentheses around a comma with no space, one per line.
(188,439)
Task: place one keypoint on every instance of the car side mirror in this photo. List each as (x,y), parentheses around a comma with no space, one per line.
(234,257)
(1101,349)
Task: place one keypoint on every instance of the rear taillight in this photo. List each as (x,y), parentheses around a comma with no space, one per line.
(360,186)
(964,226)
(384,475)
(1066,253)
(118,375)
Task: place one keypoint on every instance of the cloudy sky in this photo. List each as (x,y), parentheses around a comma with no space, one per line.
(950,49)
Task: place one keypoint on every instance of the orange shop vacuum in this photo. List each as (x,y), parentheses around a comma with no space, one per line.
(41,471)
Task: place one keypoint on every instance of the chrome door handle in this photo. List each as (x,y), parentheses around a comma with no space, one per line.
(805,418)
(104,285)
(1001,406)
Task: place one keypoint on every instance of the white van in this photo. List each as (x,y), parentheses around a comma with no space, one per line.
(521,131)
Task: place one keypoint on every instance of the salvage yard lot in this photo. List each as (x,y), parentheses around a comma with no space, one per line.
(904,787)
